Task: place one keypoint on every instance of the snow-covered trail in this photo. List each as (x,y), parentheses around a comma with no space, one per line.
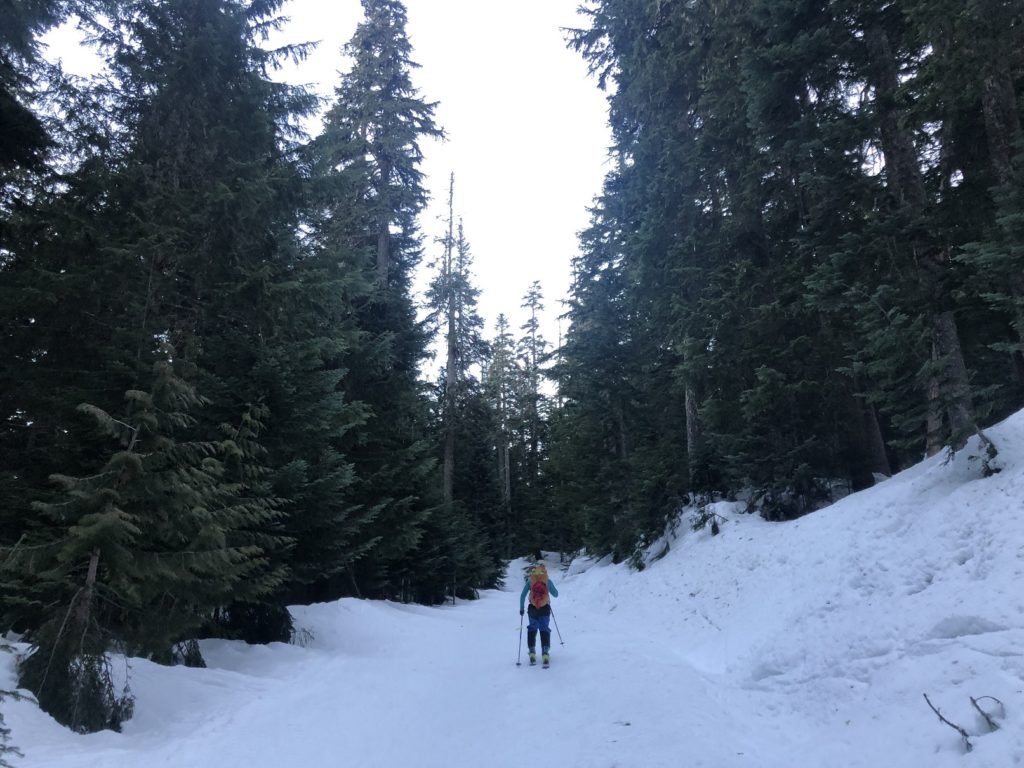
(806,645)
(381,685)
(389,685)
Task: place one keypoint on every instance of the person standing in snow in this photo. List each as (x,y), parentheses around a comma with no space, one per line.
(540,589)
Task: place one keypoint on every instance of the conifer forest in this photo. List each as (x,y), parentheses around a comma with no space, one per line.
(804,272)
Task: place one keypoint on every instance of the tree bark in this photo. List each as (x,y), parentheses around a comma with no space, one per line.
(383,228)
(383,254)
(933,428)
(694,433)
(1002,123)
(448,471)
(993,22)
(620,423)
(878,457)
(83,610)
(953,379)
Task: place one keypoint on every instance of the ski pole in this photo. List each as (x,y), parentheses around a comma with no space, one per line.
(560,640)
(519,653)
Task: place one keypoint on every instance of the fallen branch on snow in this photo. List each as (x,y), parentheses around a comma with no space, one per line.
(963,734)
(992,724)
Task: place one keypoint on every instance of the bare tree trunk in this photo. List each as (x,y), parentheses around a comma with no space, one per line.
(1002,124)
(449,466)
(534,464)
(383,229)
(620,423)
(506,489)
(874,442)
(953,380)
(504,464)
(383,253)
(451,375)
(934,422)
(448,470)
(505,484)
(694,433)
(83,610)
(993,21)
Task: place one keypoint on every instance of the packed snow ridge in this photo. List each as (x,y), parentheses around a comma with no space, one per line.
(808,644)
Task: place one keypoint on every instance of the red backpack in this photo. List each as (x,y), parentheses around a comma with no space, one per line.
(539,596)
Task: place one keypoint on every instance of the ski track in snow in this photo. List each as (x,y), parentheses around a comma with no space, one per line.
(805,644)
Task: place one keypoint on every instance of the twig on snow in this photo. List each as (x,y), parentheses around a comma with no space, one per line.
(963,734)
(992,724)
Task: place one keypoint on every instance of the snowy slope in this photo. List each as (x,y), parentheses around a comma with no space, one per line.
(803,644)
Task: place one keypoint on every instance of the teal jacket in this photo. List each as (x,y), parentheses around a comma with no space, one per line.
(526,591)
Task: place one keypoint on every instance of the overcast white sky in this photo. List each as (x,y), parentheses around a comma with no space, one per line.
(527,131)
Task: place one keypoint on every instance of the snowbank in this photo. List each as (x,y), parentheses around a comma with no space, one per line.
(807,644)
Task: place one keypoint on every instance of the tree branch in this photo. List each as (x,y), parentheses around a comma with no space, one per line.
(992,724)
(957,728)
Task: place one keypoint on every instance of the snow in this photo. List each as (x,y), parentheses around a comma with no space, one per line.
(802,644)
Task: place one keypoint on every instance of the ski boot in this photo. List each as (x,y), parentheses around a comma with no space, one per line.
(533,658)
(546,658)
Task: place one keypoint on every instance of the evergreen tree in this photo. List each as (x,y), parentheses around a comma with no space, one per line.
(500,385)
(533,404)
(782,423)
(990,72)
(28,145)
(179,230)
(25,138)
(212,210)
(452,299)
(793,183)
(302,373)
(164,532)
(591,434)
(365,164)
(533,350)
(461,533)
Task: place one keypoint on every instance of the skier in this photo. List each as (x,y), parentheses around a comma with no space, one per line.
(541,589)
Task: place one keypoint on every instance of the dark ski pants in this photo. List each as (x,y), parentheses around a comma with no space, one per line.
(539,618)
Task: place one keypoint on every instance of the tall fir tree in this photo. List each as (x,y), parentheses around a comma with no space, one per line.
(38,111)
(180,229)
(462,532)
(500,382)
(532,348)
(26,140)
(591,433)
(366,164)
